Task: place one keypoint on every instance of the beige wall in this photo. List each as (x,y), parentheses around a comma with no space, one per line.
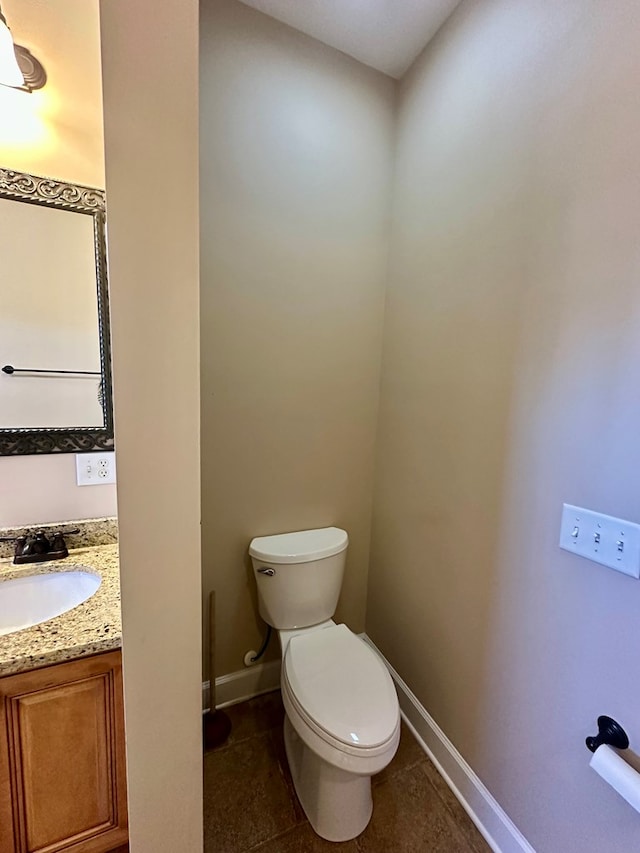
(510,375)
(295,176)
(151,127)
(57,132)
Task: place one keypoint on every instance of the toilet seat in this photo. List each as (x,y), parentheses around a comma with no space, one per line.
(339,688)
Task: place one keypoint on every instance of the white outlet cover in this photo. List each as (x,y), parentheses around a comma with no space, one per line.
(95,469)
(610,541)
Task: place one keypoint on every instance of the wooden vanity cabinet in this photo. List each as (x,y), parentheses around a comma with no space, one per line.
(62,758)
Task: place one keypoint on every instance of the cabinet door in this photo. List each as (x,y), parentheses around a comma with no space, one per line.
(62,761)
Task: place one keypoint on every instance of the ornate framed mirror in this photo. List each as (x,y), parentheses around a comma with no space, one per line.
(55,360)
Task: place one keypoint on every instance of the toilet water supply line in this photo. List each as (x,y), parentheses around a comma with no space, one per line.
(253,657)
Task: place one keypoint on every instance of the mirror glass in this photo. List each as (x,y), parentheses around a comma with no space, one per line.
(55,392)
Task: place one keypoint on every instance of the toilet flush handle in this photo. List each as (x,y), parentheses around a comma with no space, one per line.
(268,572)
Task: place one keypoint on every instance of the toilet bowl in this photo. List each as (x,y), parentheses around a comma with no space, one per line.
(342,721)
(342,725)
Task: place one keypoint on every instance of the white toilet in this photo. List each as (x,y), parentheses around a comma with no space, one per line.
(342,721)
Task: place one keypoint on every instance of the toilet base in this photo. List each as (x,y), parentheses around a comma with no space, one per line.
(337,803)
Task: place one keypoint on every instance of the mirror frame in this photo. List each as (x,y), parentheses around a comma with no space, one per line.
(48,192)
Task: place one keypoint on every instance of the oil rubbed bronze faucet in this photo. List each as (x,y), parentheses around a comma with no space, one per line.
(37,547)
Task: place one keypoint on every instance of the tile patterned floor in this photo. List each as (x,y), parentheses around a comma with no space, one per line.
(250,803)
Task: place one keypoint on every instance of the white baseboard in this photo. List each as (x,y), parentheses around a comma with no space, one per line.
(497,828)
(242,685)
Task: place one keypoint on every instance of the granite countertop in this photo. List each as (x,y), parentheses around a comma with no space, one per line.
(92,627)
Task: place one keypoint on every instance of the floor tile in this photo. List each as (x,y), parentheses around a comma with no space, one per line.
(247,800)
(462,820)
(251,805)
(303,839)
(410,817)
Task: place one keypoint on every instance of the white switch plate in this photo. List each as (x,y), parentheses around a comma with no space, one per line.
(95,469)
(610,541)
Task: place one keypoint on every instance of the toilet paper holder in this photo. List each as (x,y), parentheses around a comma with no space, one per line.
(609,732)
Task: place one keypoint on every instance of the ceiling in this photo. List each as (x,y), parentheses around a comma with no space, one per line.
(384,34)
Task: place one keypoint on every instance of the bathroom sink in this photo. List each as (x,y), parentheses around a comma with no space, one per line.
(33,599)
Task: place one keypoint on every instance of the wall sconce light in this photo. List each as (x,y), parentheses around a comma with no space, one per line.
(10,74)
(19,68)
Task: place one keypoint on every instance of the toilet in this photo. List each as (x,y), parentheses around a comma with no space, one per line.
(342,722)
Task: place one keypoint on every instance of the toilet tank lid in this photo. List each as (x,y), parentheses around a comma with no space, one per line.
(300,547)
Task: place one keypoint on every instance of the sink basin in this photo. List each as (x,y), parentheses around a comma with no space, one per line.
(33,599)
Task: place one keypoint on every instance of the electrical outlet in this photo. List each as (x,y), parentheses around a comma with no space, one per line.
(610,541)
(95,469)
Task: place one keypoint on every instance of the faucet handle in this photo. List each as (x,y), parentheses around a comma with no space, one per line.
(67,532)
(57,541)
(21,545)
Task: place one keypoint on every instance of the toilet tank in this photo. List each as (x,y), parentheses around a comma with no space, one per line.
(299,575)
